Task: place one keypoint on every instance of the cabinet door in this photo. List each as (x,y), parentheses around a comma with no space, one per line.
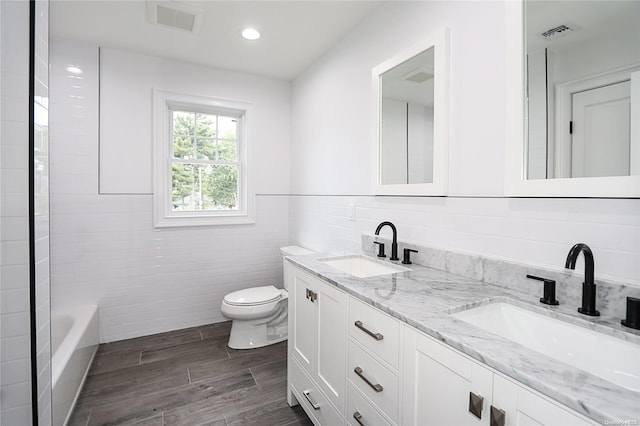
(331,329)
(523,407)
(302,316)
(438,383)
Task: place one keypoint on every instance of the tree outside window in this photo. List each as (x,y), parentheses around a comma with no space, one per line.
(204,165)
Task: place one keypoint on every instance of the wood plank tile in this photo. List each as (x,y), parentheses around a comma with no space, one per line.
(114,361)
(229,404)
(273,413)
(154,341)
(185,380)
(276,350)
(80,416)
(249,359)
(270,373)
(123,390)
(219,329)
(154,420)
(155,401)
(145,373)
(202,350)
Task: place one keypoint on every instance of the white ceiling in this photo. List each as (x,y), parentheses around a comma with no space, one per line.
(590,19)
(294,33)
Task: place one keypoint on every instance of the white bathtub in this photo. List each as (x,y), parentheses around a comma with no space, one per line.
(74,342)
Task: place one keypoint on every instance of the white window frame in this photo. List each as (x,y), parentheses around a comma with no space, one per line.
(164,216)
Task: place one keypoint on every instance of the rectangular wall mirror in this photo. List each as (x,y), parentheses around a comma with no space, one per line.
(573,98)
(410,93)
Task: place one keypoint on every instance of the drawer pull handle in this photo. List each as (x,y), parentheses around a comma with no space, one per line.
(376,336)
(358,418)
(475,404)
(496,416)
(313,404)
(376,387)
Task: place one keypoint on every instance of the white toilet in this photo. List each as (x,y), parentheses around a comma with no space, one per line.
(259,314)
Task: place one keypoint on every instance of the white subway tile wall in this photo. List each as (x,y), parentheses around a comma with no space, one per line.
(104,249)
(538,232)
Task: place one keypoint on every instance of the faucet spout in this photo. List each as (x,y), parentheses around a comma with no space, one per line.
(588,261)
(394,243)
(588,286)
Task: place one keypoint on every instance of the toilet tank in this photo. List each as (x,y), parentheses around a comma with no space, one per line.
(292,251)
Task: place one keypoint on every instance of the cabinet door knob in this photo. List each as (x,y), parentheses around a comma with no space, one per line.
(307,293)
(497,417)
(376,336)
(313,404)
(313,296)
(358,418)
(375,386)
(475,404)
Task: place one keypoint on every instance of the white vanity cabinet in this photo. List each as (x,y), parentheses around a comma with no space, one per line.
(317,346)
(352,364)
(441,386)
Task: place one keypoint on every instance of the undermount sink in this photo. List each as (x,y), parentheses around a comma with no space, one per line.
(361,266)
(607,357)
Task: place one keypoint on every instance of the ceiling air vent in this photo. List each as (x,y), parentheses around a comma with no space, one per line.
(556,32)
(175,15)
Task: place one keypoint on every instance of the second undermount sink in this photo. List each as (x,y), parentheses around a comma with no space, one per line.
(607,357)
(361,266)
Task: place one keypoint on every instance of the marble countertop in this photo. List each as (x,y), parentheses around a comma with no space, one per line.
(424,298)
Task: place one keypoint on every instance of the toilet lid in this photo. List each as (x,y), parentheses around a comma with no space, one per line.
(253,296)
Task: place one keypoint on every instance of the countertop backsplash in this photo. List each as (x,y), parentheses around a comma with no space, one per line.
(611,296)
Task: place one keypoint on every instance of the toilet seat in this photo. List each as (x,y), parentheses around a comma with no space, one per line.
(253,296)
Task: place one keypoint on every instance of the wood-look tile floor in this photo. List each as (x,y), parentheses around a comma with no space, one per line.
(187,377)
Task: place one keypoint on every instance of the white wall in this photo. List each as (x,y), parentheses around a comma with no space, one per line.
(331,144)
(104,249)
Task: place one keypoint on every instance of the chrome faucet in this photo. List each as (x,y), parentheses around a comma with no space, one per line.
(394,243)
(588,286)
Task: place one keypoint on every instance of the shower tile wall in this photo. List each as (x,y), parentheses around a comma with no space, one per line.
(105,250)
(15,374)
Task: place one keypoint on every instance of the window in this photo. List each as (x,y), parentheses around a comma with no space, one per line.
(201,161)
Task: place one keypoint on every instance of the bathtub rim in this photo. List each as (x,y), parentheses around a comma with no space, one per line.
(70,342)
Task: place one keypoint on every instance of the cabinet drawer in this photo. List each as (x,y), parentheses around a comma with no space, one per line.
(375,330)
(314,402)
(358,406)
(378,376)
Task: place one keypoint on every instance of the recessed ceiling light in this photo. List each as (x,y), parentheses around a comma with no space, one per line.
(74,70)
(250,34)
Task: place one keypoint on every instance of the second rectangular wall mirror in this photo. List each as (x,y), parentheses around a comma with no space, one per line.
(573,98)
(410,92)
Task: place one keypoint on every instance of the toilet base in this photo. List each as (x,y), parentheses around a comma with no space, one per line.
(256,334)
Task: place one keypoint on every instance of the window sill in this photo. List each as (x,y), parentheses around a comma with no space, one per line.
(187,221)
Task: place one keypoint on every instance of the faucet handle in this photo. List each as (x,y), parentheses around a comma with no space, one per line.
(633,313)
(380,249)
(406,258)
(549,293)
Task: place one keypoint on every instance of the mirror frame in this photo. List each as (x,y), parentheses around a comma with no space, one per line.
(440,41)
(516,184)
